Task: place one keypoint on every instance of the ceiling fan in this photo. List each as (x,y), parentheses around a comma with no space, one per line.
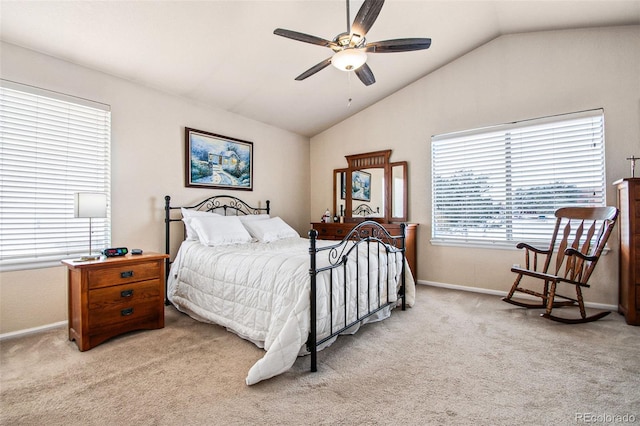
(350,48)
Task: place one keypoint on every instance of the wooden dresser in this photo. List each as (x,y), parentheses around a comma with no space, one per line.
(629,226)
(337,231)
(113,296)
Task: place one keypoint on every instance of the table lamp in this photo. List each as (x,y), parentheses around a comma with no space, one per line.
(90,204)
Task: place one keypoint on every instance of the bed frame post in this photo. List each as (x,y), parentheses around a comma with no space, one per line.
(167,247)
(311,344)
(403,232)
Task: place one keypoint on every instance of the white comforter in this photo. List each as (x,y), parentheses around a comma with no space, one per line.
(261,292)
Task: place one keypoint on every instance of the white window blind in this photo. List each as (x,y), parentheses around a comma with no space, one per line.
(51,146)
(502,184)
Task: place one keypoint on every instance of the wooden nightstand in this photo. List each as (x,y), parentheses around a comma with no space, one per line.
(113,296)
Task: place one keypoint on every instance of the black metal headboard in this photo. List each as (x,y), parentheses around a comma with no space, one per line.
(226,205)
(365,210)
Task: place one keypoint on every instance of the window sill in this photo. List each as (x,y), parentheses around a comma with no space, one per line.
(497,245)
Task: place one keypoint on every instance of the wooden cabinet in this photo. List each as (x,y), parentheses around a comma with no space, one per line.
(629,226)
(337,231)
(113,296)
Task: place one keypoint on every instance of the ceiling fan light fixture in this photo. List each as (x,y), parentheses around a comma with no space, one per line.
(349,59)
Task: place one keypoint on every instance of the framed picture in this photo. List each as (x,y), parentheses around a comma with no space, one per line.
(360,185)
(216,161)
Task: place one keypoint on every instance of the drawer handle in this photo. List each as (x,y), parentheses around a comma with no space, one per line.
(126,312)
(339,231)
(126,274)
(126,293)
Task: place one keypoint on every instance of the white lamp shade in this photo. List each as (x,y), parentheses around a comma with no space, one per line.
(349,59)
(90,204)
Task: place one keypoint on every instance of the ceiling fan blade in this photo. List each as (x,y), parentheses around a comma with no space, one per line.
(365,75)
(366,16)
(314,69)
(304,37)
(398,45)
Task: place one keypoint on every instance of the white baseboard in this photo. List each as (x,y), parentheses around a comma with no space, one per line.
(25,332)
(602,306)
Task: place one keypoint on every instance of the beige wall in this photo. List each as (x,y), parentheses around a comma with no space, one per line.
(147,164)
(511,78)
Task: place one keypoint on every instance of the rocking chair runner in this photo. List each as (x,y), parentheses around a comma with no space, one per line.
(575,259)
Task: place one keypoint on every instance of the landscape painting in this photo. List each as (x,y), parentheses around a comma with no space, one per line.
(216,161)
(361,186)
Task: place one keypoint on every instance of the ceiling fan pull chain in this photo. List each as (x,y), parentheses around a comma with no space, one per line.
(349,83)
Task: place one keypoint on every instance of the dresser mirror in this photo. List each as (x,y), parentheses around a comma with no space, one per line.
(371,188)
(339,191)
(399,192)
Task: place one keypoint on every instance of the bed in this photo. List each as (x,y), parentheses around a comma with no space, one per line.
(244,269)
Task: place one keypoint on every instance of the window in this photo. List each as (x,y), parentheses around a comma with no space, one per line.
(51,146)
(502,184)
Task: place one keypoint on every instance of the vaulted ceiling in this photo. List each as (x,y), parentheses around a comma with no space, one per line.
(224,53)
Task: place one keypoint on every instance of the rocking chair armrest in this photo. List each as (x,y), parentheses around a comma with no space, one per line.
(573,252)
(532,248)
(535,274)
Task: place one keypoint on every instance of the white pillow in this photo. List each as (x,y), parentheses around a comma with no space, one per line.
(251,217)
(191,233)
(219,230)
(269,230)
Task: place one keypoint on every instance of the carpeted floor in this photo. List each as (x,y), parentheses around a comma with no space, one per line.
(455,358)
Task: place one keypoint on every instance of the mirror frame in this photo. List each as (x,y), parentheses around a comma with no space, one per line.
(371,160)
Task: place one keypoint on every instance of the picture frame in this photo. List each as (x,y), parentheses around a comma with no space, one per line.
(360,185)
(217,161)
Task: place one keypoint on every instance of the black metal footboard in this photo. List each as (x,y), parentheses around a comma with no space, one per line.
(361,237)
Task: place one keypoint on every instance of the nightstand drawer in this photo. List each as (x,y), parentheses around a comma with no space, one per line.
(122,274)
(99,320)
(126,294)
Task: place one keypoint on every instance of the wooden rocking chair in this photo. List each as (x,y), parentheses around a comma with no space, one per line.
(575,259)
